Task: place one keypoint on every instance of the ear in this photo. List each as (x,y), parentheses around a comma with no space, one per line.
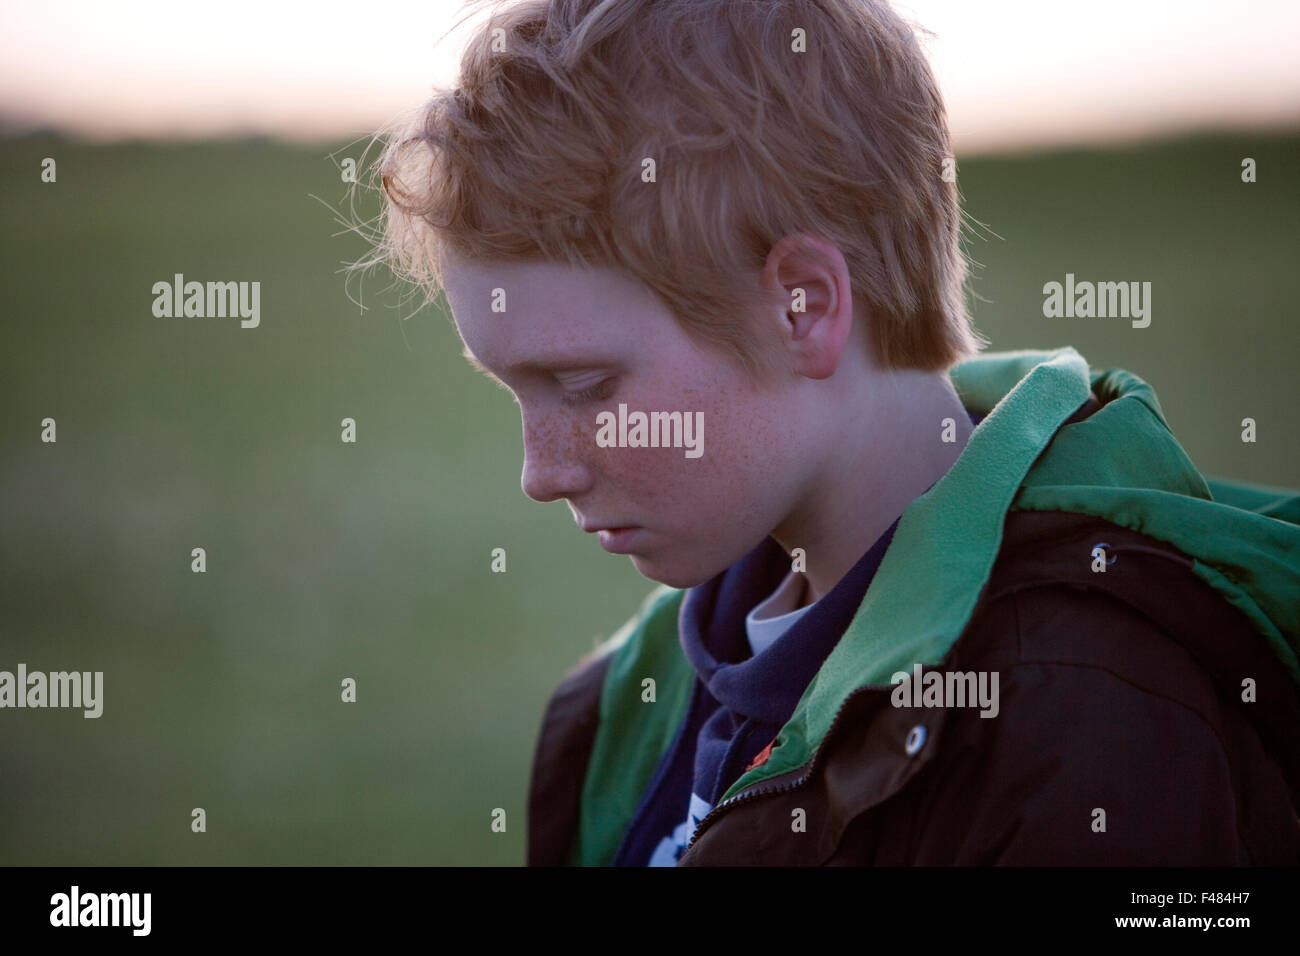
(818,316)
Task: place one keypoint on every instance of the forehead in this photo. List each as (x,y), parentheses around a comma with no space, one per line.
(509,312)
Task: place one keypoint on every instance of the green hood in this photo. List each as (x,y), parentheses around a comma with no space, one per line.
(1121,464)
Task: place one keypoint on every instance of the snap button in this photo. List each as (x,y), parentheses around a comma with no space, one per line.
(915,740)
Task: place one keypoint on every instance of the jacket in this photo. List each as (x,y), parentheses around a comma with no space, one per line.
(1143,621)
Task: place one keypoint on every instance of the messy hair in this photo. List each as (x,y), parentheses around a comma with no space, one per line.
(762,118)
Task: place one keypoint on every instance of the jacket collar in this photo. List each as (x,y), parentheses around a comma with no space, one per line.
(947,538)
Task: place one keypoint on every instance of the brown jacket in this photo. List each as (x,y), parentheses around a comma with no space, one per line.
(1122,737)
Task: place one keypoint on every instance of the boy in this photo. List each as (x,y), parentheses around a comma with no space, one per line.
(918,604)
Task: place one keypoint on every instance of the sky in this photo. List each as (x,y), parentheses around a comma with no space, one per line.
(1015,73)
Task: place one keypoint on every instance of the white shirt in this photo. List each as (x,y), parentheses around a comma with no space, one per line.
(771,618)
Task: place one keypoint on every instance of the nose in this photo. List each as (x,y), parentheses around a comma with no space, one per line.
(554,466)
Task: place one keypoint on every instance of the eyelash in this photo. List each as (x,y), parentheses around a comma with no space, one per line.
(596,392)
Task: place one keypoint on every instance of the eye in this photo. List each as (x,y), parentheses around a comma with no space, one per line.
(600,390)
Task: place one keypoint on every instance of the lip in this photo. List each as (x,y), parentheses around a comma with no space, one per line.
(618,540)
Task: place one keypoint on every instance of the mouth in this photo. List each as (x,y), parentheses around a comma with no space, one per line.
(615,539)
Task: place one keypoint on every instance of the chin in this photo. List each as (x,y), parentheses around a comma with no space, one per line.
(672,575)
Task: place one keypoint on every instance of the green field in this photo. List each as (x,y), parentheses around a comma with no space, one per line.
(371,560)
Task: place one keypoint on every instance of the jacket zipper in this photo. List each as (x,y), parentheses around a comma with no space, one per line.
(758,790)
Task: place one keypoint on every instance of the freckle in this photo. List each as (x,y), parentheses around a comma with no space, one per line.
(582,432)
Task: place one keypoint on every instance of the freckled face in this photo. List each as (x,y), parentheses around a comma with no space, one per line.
(574,342)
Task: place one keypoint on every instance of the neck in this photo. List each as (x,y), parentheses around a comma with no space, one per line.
(875,466)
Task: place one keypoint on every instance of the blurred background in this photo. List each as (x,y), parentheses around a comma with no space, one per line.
(1103,139)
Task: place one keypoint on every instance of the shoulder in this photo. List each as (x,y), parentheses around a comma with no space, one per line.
(1120,708)
(560,758)
(567,735)
(1080,592)
(579,690)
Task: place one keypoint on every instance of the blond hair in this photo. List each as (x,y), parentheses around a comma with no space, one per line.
(539,152)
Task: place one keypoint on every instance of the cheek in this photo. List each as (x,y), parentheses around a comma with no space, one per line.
(744,443)
(738,472)
(745,452)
